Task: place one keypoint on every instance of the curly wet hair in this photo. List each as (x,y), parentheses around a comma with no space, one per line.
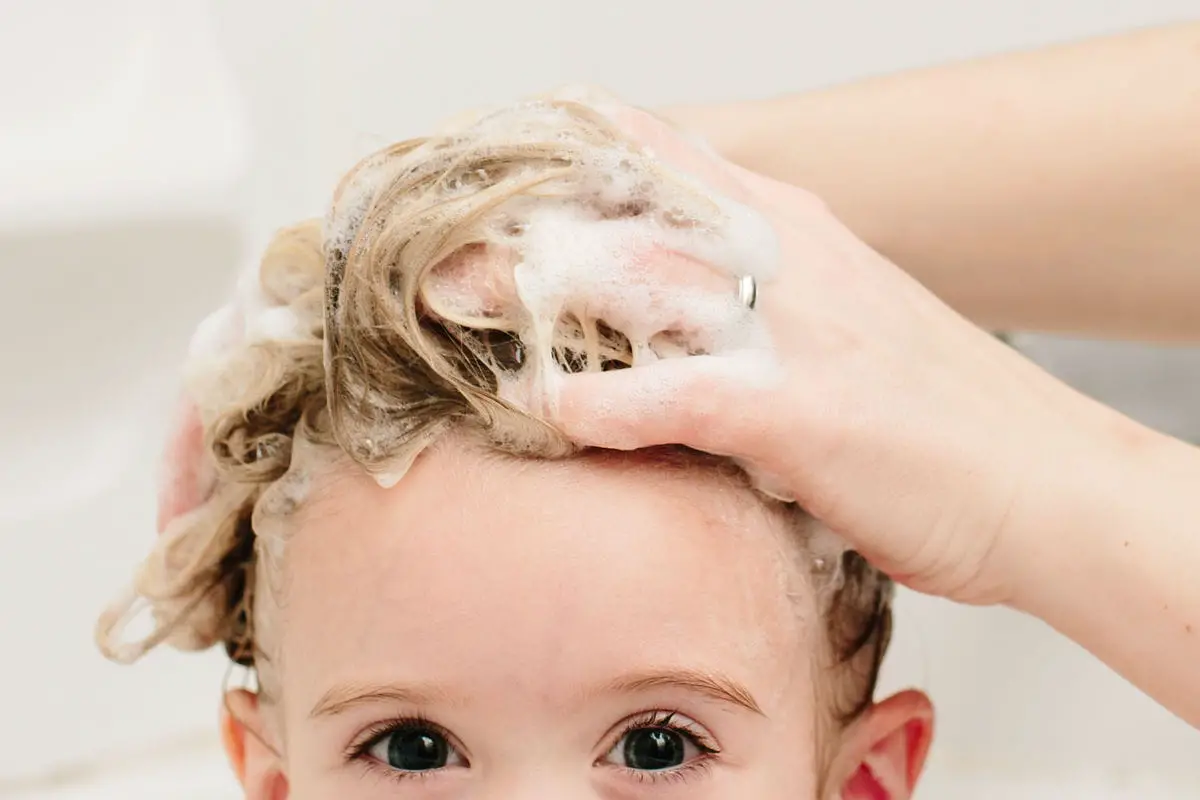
(374,367)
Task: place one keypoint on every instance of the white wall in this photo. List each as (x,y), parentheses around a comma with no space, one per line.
(325,81)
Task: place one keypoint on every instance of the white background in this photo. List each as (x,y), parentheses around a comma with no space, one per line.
(146,146)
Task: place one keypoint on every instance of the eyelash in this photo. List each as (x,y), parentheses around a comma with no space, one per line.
(666,720)
(358,752)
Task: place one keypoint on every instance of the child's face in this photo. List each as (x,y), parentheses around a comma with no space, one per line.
(499,629)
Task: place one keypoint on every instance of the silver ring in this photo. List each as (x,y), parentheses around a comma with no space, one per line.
(747,291)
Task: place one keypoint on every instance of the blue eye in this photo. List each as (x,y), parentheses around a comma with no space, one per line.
(415,748)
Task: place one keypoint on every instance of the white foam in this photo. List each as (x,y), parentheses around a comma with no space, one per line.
(274,324)
(215,334)
(571,258)
(591,244)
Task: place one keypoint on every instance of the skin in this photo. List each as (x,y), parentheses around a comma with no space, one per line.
(948,459)
(1055,189)
(891,404)
(531,609)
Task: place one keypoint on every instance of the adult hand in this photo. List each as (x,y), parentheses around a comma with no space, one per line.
(934,449)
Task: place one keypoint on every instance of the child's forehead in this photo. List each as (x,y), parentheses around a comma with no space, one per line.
(473,560)
(461,482)
(468,522)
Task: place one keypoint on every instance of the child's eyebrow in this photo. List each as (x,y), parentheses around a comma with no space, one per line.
(717,687)
(712,685)
(345,697)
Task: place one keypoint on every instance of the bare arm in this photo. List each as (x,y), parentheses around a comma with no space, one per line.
(1051,190)
(1115,566)
(948,459)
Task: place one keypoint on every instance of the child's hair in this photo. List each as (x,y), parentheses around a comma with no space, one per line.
(372,368)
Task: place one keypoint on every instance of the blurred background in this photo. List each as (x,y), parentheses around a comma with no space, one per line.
(147,147)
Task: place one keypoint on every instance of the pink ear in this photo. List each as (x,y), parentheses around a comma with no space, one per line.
(865,786)
(897,734)
(233,737)
(255,762)
(187,482)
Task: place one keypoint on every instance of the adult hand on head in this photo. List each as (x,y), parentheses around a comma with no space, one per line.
(942,455)
(937,451)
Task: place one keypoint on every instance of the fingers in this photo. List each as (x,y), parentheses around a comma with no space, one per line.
(475,283)
(686,155)
(798,220)
(689,401)
(693,157)
(669,293)
(630,409)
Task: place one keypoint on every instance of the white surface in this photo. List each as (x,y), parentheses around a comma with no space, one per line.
(1023,714)
(113,110)
(122,147)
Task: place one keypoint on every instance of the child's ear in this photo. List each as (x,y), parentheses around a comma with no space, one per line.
(257,764)
(883,752)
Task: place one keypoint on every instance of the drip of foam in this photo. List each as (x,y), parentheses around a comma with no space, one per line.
(592,247)
(593,250)
(573,259)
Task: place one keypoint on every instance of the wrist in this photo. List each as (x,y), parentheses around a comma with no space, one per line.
(1094,501)
(1117,576)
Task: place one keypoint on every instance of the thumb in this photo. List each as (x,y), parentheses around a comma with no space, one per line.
(686,401)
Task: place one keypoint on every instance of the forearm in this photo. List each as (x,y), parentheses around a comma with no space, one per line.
(1051,190)
(1117,568)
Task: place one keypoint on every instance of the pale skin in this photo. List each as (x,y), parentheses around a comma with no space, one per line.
(531,612)
(941,454)
(948,459)
(1055,190)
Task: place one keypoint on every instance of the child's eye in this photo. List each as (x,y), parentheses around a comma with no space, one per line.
(415,748)
(657,747)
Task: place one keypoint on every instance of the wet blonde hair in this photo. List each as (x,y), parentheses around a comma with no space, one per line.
(374,369)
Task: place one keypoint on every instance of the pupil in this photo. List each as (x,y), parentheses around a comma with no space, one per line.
(417,751)
(654,749)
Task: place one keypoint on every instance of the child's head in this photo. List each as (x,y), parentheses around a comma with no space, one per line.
(512,618)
